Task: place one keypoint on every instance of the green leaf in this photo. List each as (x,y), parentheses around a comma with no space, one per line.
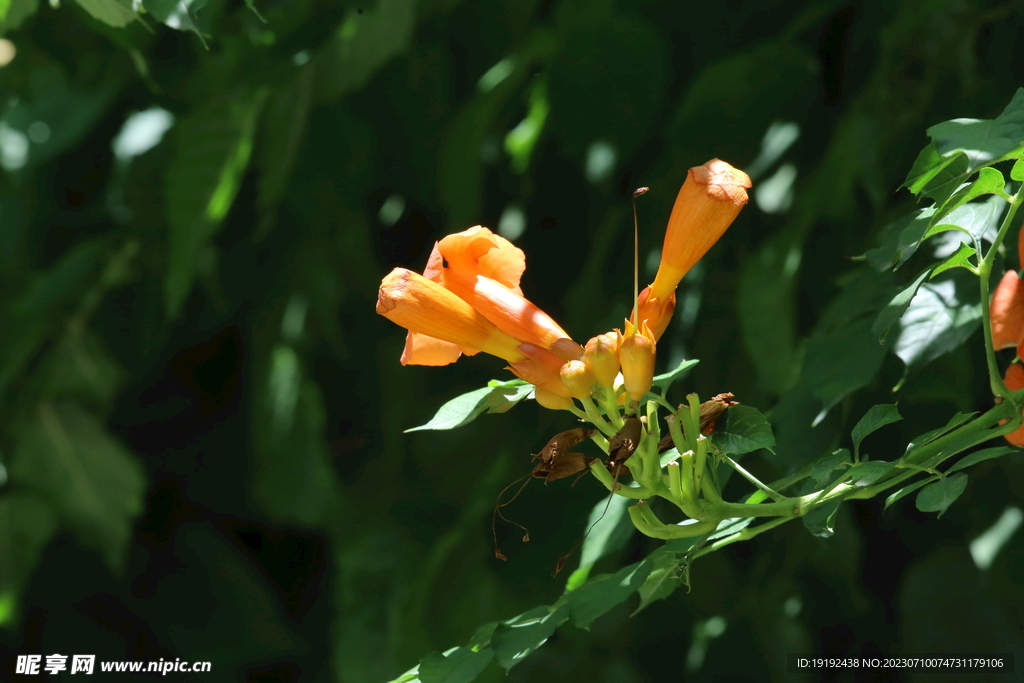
(458,665)
(177,14)
(949,178)
(515,639)
(955,421)
(497,397)
(990,181)
(980,456)
(282,131)
(744,430)
(930,168)
(15,12)
(1017,172)
(728,527)
(902,238)
(663,580)
(876,418)
(93,481)
(899,304)
(978,219)
(940,495)
(663,382)
(941,317)
(867,473)
(113,12)
(821,520)
(27,524)
(982,140)
(821,471)
(608,529)
(961,259)
(907,490)
(212,149)
(841,361)
(597,596)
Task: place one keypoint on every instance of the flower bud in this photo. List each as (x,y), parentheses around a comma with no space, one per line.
(602,357)
(637,355)
(1014,381)
(577,378)
(657,313)
(1007,312)
(551,400)
(540,368)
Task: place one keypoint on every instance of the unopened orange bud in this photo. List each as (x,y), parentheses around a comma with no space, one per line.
(567,349)
(1007,312)
(707,204)
(602,357)
(577,378)
(1014,380)
(551,400)
(637,355)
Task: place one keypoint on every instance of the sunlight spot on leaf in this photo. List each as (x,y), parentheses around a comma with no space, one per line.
(779,137)
(986,547)
(300,58)
(703,633)
(141,132)
(13,148)
(496,74)
(6,607)
(7,52)
(512,223)
(294,318)
(38,132)
(791,608)
(600,163)
(391,210)
(775,195)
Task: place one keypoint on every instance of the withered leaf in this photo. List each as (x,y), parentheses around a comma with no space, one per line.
(622,445)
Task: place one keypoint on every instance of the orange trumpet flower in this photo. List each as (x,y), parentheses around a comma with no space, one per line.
(482,269)
(707,204)
(1014,380)
(426,308)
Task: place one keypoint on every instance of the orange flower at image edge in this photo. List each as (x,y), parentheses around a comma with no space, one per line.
(469,300)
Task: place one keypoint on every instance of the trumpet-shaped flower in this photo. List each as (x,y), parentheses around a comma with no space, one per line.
(1014,380)
(1007,312)
(707,204)
(484,270)
(426,308)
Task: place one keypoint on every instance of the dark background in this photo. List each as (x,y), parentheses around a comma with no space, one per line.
(201,441)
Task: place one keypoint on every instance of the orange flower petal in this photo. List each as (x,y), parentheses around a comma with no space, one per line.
(478,251)
(1007,312)
(707,204)
(509,311)
(423,306)
(657,313)
(541,368)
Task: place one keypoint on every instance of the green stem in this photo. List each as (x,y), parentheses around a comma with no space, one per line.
(995,377)
(595,418)
(742,535)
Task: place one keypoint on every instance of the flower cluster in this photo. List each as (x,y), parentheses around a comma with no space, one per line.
(468,300)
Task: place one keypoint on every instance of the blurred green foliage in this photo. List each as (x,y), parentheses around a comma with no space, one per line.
(201,444)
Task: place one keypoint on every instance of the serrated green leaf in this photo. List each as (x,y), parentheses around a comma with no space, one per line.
(867,473)
(876,418)
(990,181)
(505,395)
(895,309)
(902,238)
(458,665)
(940,495)
(496,397)
(907,490)
(941,317)
(92,480)
(821,471)
(955,421)
(961,259)
(597,596)
(982,140)
(177,14)
(212,150)
(821,520)
(980,456)
(927,164)
(841,361)
(948,180)
(743,430)
(728,527)
(980,220)
(662,581)
(515,639)
(665,381)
